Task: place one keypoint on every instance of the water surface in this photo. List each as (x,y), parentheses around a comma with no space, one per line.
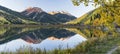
(43,38)
(14,38)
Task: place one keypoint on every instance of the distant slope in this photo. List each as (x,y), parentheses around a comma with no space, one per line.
(78,20)
(62,16)
(37,14)
(8,16)
(83,19)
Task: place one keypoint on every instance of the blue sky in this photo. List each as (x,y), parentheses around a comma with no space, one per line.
(47,5)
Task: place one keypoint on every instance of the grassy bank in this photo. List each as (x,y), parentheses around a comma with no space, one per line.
(117,51)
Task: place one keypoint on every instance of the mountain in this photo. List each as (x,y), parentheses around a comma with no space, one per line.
(32,15)
(38,15)
(8,16)
(62,16)
(98,17)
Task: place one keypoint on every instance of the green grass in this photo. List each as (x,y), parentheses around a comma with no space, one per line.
(29,22)
(117,51)
(3,21)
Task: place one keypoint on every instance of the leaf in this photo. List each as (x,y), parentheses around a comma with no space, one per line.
(95,0)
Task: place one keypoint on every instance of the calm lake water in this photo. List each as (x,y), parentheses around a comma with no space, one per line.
(14,38)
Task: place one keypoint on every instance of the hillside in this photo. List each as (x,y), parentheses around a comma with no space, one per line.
(33,15)
(38,15)
(98,17)
(62,16)
(85,19)
(8,16)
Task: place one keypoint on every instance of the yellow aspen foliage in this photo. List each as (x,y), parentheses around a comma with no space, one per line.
(98,33)
(117,20)
(96,22)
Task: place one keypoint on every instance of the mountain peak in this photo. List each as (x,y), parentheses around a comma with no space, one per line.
(33,9)
(59,12)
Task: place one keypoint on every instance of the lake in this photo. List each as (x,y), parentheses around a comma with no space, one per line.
(14,38)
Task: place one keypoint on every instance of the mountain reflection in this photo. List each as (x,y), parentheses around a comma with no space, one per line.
(33,35)
(54,37)
(95,32)
(37,35)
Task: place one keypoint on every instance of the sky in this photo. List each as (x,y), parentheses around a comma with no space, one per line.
(47,5)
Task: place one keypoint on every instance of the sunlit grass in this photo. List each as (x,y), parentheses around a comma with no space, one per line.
(117,51)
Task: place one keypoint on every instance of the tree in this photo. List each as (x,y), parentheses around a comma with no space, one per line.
(94,2)
(108,9)
(108,5)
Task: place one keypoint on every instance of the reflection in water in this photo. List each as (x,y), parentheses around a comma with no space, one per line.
(39,35)
(48,38)
(94,32)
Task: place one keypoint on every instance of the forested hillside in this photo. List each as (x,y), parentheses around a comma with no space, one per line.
(106,14)
(99,17)
(8,16)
